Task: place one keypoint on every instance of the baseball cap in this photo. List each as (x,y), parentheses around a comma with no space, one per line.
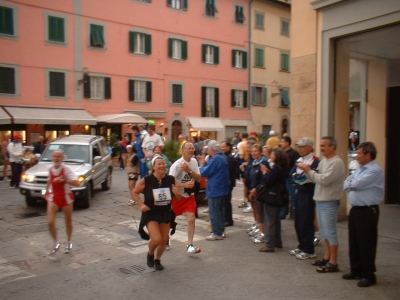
(129,146)
(17,136)
(305,141)
(272,132)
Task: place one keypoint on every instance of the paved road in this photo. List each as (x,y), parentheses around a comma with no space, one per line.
(108,259)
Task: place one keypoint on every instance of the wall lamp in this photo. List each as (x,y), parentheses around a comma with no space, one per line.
(85,72)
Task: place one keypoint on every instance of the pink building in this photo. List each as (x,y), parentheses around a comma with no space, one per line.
(181,63)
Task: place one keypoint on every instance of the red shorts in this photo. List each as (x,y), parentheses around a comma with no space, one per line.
(61,200)
(184,205)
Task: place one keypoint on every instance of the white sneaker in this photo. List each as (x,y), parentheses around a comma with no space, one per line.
(213,237)
(317,241)
(206,210)
(295,251)
(224,235)
(260,239)
(303,255)
(251,228)
(248,209)
(193,250)
(5,179)
(131,202)
(168,246)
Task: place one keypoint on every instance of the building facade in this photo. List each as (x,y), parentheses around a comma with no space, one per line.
(181,63)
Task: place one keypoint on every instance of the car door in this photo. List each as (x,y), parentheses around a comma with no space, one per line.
(99,170)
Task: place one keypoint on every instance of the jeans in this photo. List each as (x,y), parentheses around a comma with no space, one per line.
(216,212)
(143,169)
(327,220)
(16,171)
(228,208)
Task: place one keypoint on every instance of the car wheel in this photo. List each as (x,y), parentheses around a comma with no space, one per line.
(106,185)
(30,201)
(84,202)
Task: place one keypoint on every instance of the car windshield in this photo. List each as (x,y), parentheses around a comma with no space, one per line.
(72,153)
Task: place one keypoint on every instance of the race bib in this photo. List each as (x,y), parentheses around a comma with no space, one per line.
(162,196)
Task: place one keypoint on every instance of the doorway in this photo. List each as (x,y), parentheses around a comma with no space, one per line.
(176,130)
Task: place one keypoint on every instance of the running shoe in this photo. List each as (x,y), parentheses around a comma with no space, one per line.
(131,202)
(304,255)
(295,251)
(68,248)
(248,209)
(193,250)
(213,237)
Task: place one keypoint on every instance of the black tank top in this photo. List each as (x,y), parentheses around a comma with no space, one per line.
(158,197)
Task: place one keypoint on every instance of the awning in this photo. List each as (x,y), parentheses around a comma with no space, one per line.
(4,117)
(206,124)
(121,119)
(39,115)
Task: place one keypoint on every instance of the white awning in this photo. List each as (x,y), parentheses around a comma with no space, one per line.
(4,117)
(121,119)
(40,115)
(206,124)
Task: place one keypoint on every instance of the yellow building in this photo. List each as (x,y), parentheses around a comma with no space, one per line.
(345,68)
(269,72)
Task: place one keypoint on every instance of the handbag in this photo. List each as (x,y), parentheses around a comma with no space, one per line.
(274,196)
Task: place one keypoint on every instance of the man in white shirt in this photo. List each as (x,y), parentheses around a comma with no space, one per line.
(150,141)
(186,171)
(16,152)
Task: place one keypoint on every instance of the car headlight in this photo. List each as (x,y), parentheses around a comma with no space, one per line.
(81,179)
(28,178)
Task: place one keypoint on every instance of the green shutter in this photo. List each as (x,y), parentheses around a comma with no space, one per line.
(96,35)
(131,89)
(184,50)
(284,62)
(259,58)
(203,101)
(6,20)
(203,53)
(170,42)
(216,55)
(169,2)
(285,97)
(57,84)
(253,95)
(56,29)
(148,91)
(244,98)
(7,80)
(244,62)
(86,86)
(185,5)
(216,102)
(264,96)
(107,88)
(131,42)
(147,44)
(233,57)
(233,103)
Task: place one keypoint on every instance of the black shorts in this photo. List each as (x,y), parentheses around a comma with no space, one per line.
(133,176)
(157,216)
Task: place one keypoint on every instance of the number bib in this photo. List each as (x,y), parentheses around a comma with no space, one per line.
(162,196)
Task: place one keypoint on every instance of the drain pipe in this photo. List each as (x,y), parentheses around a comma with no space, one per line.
(249,66)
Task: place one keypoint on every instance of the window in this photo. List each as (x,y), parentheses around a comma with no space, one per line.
(285,62)
(285,97)
(285,27)
(239,99)
(211,9)
(239,59)
(97,36)
(259,58)
(178,4)
(56,29)
(210,54)
(139,90)
(97,87)
(177,49)
(57,84)
(7,80)
(139,43)
(210,102)
(259,21)
(6,20)
(239,15)
(259,96)
(177,94)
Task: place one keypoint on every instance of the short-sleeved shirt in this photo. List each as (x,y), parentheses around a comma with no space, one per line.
(150,141)
(182,176)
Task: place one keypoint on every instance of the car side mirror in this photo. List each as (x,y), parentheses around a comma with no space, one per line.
(96,159)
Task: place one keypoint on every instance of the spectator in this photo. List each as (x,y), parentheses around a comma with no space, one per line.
(272,141)
(140,133)
(16,152)
(39,145)
(150,141)
(6,156)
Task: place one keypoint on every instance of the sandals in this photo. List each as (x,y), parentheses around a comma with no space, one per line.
(328,268)
(320,262)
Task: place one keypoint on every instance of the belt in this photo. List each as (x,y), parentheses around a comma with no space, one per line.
(365,206)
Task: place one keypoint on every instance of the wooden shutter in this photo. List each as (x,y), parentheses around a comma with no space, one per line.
(147,44)
(216,55)
(184,50)
(7,21)
(244,58)
(244,98)
(131,90)
(148,91)
(216,102)
(107,88)
(7,80)
(203,101)
(170,45)
(57,84)
(185,5)
(264,96)
(233,102)
(203,53)
(233,57)
(169,2)
(131,41)
(253,95)
(86,86)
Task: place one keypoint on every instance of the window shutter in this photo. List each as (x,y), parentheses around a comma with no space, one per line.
(96,34)
(180,96)
(170,42)
(185,5)
(204,49)
(216,95)
(203,101)
(56,29)
(107,88)
(86,86)
(53,83)
(233,102)
(264,96)
(52,28)
(184,50)
(7,20)
(285,97)
(147,44)
(244,58)
(253,95)
(7,80)
(131,41)
(216,55)
(244,98)
(233,57)
(169,2)
(148,91)
(59,84)
(131,89)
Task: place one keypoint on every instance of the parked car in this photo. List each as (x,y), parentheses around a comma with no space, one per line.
(86,155)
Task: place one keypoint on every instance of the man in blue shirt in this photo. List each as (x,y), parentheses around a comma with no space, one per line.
(140,133)
(365,189)
(217,172)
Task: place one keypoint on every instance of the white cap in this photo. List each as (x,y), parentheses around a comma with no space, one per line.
(272,132)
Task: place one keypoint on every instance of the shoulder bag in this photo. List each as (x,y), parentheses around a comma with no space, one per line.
(274,196)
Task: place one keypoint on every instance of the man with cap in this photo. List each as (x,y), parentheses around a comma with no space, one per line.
(304,202)
(16,152)
(273,141)
(217,172)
